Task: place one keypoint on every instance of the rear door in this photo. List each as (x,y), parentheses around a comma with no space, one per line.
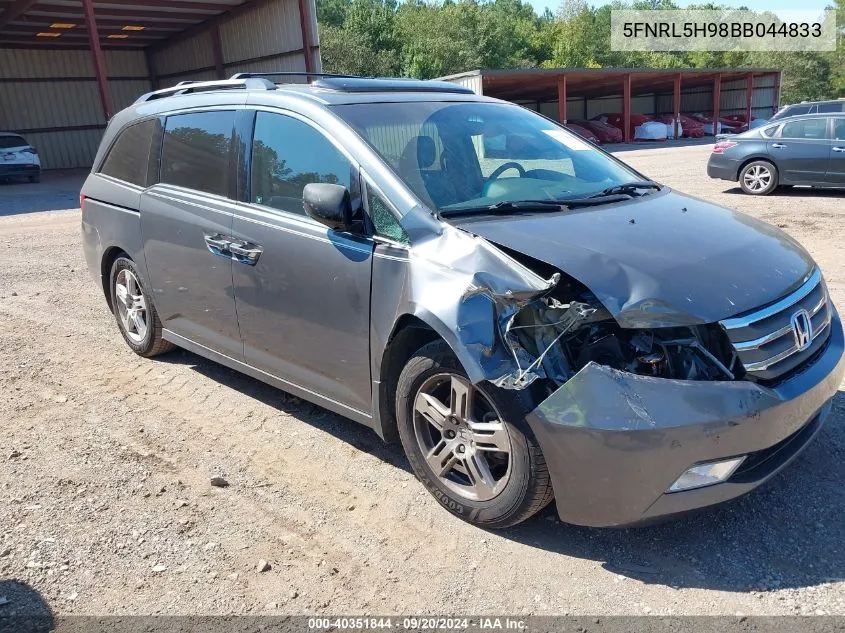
(801,151)
(185,220)
(836,166)
(303,302)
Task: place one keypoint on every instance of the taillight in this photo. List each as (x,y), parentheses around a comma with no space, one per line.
(721,146)
(81,202)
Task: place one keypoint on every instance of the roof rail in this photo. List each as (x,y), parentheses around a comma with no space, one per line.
(190,87)
(287,73)
(356,83)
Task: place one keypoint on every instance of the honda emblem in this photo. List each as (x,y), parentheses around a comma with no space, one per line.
(802,328)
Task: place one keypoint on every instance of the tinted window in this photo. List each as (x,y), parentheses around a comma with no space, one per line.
(811,128)
(839,129)
(196,151)
(830,107)
(129,157)
(12,141)
(797,110)
(383,219)
(288,154)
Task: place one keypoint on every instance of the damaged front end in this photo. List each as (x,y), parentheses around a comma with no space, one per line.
(554,336)
(623,412)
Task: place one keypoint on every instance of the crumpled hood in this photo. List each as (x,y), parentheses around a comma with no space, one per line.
(662,260)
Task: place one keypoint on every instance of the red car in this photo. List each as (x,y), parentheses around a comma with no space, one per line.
(582,132)
(605,132)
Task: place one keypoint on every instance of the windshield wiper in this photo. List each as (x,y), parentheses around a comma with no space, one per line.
(509,205)
(627,188)
(537,205)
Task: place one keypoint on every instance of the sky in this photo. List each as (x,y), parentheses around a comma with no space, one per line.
(754,5)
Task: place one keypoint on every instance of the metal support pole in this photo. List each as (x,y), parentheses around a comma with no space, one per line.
(217,51)
(776,106)
(306,34)
(99,61)
(561,99)
(626,107)
(749,95)
(717,99)
(151,67)
(677,102)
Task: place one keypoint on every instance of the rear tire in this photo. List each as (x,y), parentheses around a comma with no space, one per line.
(479,487)
(758,178)
(134,311)
(35,179)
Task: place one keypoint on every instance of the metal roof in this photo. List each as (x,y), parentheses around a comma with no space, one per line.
(122,24)
(540,83)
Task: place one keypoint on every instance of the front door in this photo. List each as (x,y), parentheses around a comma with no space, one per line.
(183,219)
(801,152)
(303,300)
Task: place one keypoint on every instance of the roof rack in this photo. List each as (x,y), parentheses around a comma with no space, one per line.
(287,73)
(355,83)
(191,87)
(388,84)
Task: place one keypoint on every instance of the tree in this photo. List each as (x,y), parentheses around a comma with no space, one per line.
(426,39)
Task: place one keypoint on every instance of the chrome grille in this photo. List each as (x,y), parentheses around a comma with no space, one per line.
(767,341)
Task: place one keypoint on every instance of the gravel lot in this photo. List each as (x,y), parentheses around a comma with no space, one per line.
(106,458)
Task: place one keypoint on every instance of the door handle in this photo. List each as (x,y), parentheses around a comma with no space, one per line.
(839,149)
(246,253)
(778,146)
(218,245)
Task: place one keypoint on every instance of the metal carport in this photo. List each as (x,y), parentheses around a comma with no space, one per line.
(67,65)
(557,92)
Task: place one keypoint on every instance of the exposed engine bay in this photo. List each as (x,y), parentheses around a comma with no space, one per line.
(555,336)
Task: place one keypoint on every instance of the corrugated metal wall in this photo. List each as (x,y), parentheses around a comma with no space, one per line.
(693,100)
(266,38)
(473,82)
(732,100)
(51,97)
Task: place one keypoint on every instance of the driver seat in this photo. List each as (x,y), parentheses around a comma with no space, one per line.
(415,165)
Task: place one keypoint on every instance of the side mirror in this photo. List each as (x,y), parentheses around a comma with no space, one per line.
(328,204)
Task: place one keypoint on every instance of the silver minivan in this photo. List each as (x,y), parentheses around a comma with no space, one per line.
(530,317)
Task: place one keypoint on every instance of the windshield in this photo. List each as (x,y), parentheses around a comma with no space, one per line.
(467,155)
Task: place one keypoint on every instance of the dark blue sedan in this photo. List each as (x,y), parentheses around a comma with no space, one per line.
(807,150)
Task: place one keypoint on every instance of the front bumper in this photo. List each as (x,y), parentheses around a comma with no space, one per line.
(722,167)
(614,442)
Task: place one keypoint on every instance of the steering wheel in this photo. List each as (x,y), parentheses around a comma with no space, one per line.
(503,168)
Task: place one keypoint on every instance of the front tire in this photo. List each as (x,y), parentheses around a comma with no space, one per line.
(469,445)
(134,311)
(758,178)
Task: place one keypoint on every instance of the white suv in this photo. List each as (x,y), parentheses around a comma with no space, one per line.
(18,158)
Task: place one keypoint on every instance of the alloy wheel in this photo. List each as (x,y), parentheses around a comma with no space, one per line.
(131,305)
(758,178)
(462,437)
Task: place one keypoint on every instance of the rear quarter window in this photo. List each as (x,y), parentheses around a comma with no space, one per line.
(197,149)
(129,156)
(827,108)
(807,129)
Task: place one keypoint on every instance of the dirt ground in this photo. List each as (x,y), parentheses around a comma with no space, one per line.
(105,461)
